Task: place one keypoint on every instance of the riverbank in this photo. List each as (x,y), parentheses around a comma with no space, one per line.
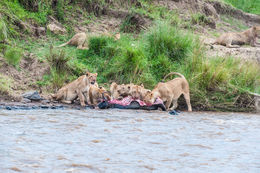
(156,38)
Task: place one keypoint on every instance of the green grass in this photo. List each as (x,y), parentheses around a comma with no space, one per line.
(250,6)
(5,85)
(234,22)
(13,55)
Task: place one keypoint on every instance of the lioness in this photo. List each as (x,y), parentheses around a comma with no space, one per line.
(234,39)
(170,91)
(119,91)
(139,92)
(78,40)
(75,89)
(97,94)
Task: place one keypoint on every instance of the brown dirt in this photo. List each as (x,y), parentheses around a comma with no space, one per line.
(25,77)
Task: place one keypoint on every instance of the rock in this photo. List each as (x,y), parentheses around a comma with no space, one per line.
(45,101)
(32,95)
(25,100)
(40,31)
(209,10)
(56,29)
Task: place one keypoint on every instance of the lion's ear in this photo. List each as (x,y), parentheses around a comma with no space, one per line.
(87,74)
(142,85)
(96,74)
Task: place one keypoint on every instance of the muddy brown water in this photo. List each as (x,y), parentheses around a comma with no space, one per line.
(79,141)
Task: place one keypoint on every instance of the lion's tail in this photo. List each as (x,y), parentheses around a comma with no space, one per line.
(172,73)
(64,44)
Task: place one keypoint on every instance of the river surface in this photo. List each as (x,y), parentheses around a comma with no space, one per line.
(79,141)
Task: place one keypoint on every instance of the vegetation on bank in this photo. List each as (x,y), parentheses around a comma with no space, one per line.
(249,6)
(216,83)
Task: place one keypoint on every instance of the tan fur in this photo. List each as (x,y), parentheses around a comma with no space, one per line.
(120,91)
(234,39)
(97,94)
(139,92)
(76,89)
(170,91)
(77,40)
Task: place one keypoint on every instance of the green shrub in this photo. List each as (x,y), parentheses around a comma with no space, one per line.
(58,60)
(13,55)
(99,45)
(5,84)
(60,10)
(169,41)
(3,30)
(60,69)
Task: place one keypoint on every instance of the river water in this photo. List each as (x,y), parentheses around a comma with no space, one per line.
(79,141)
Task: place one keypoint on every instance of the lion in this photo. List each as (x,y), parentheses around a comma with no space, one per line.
(170,91)
(139,92)
(119,91)
(97,94)
(78,40)
(76,89)
(235,39)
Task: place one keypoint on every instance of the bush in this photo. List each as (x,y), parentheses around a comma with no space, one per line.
(5,84)
(59,66)
(3,30)
(13,55)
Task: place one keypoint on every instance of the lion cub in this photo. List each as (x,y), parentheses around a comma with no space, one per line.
(97,94)
(75,89)
(234,39)
(78,40)
(119,91)
(139,92)
(170,91)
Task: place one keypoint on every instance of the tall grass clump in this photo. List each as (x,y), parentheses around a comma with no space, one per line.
(166,47)
(59,67)
(3,30)
(13,55)
(5,85)
(221,83)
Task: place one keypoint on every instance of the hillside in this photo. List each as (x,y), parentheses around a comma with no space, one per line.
(157,37)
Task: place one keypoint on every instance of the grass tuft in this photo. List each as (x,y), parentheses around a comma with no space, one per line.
(13,55)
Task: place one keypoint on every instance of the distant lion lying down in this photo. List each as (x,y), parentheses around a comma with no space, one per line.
(234,39)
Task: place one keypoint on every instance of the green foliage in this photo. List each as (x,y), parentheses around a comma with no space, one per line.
(3,30)
(5,84)
(13,55)
(234,22)
(60,10)
(128,26)
(199,18)
(169,41)
(60,69)
(250,6)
